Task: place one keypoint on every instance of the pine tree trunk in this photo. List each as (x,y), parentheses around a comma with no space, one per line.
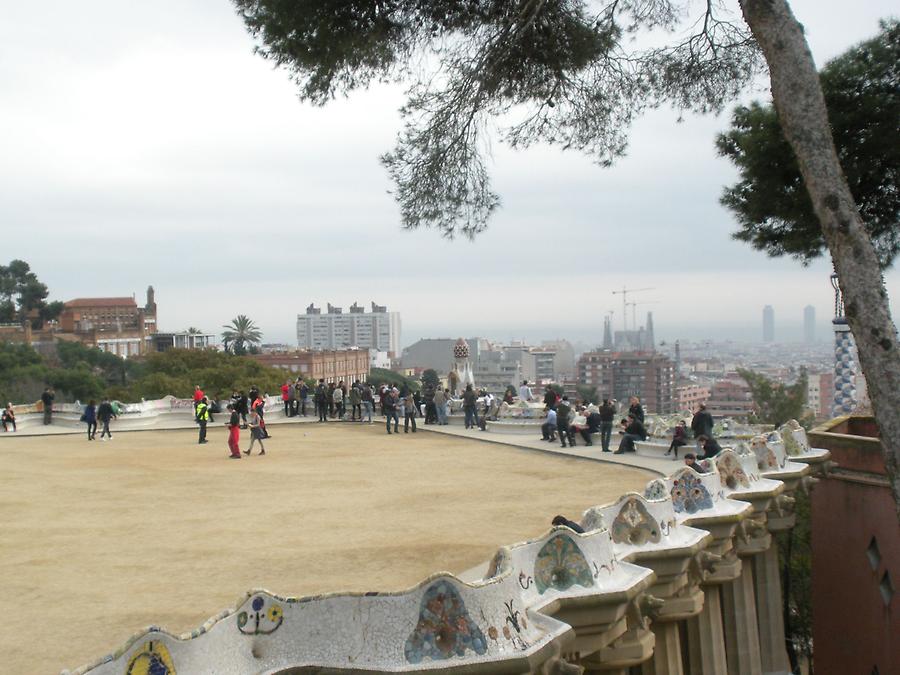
(798,98)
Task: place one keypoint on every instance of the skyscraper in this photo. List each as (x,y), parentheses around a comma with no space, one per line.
(768,324)
(809,324)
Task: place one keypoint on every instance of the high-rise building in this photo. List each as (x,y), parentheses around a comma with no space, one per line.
(619,375)
(768,324)
(378,329)
(809,324)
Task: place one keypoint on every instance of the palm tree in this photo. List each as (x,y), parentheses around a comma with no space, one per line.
(193,330)
(240,333)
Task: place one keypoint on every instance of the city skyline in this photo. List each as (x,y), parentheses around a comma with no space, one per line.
(134,141)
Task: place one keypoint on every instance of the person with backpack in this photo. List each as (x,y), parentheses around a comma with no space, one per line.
(368,403)
(203,418)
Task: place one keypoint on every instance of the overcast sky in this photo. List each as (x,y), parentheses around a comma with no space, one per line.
(144,143)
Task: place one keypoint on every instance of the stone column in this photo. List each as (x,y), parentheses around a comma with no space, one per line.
(741,630)
(706,637)
(770,610)
(667,651)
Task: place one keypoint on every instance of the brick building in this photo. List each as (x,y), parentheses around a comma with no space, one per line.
(116,324)
(689,396)
(332,366)
(730,397)
(622,374)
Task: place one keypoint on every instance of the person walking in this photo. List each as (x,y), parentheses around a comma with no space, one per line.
(356,401)
(105,413)
(47,399)
(256,434)
(90,418)
(607,416)
(389,409)
(234,433)
(701,425)
(470,407)
(410,410)
(202,414)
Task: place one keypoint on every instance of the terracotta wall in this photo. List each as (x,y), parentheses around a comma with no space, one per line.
(856,548)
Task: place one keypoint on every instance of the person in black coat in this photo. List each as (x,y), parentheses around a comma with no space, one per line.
(635,409)
(701,425)
(607,417)
(593,422)
(634,431)
(105,413)
(711,447)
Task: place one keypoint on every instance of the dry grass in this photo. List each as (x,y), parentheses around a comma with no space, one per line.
(102,539)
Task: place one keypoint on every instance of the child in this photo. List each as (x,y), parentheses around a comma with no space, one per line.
(256,434)
(9,417)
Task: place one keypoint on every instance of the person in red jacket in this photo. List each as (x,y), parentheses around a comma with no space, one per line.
(198,396)
(286,397)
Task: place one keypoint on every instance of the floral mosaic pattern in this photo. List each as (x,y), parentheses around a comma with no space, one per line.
(445,628)
(731,473)
(151,659)
(260,621)
(656,489)
(560,564)
(689,495)
(634,524)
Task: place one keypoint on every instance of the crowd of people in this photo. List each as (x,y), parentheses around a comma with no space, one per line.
(358,402)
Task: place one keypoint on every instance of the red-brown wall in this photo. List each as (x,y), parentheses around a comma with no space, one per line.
(854,630)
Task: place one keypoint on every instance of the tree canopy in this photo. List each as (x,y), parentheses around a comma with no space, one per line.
(241,335)
(777,403)
(21,292)
(773,207)
(563,72)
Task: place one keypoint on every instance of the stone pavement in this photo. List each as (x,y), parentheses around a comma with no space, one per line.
(646,459)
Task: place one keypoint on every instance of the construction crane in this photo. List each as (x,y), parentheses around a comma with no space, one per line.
(624,292)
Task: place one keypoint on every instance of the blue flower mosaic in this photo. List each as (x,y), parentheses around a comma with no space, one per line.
(656,489)
(560,564)
(689,495)
(445,628)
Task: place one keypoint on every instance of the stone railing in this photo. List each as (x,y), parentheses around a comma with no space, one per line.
(144,414)
(692,556)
